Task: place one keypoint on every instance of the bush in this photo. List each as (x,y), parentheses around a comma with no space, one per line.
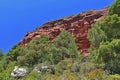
(5,74)
(68,76)
(115,8)
(108,53)
(35,52)
(113,77)
(32,76)
(62,66)
(96,35)
(1,54)
(66,43)
(51,77)
(111,26)
(97,74)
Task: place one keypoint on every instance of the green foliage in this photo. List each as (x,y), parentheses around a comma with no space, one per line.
(111,26)
(5,74)
(15,52)
(63,47)
(65,76)
(51,77)
(4,63)
(68,76)
(62,66)
(85,67)
(107,29)
(97,74)
(32,76)
(1,54)
(109,53)
(96,35)
(105,43)
(115,8)
(62,55)
(66,43)
(55,55)
(113,77)
(40,50)
(34,52)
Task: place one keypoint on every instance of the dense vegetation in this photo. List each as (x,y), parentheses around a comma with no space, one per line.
(62,55)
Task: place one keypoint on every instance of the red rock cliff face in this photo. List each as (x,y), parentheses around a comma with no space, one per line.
(78,25)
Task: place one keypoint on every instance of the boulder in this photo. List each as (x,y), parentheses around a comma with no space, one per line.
(18,72)
(44,69)
(75,68)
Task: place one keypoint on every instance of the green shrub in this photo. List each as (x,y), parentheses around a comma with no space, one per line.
(51,77)
(115,8)
(109,53)
(96,35)
(111,25)
(32,76)
(5,74)
(66,43)
(113,77)
(63,66)
(68,76)
(1,54)
(97,74)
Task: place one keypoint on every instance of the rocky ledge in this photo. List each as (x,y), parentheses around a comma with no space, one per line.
(78,25)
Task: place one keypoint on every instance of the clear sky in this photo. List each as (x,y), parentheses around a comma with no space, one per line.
(17,17)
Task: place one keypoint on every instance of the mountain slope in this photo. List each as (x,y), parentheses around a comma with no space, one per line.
(35,58)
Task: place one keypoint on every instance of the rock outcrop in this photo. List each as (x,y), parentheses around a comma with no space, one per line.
(18,72)
(42,69)
(78,25)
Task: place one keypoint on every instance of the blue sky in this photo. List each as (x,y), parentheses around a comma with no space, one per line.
(17,17)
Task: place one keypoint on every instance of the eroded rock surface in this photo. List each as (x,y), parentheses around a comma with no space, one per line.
(78,25)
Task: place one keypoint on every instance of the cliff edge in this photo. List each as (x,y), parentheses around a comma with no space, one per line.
(78,25)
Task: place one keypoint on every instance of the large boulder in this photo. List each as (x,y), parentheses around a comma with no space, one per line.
(18,72)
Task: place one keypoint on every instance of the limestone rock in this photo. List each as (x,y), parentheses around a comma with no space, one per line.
(18,72)
(44,69)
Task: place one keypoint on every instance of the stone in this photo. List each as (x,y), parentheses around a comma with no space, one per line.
(44,69)
(75,68)
(18,72)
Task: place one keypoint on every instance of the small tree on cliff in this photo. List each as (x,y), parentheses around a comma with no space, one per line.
(96,35)
(66,43)
(35,52)
(111,26)
(115,8)
(109,54)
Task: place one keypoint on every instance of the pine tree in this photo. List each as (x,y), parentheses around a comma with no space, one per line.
(115,8)
(66,43)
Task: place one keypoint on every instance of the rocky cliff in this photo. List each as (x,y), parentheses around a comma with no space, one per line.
(78,25)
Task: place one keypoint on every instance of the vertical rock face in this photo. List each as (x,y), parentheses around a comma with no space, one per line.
(78,25)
